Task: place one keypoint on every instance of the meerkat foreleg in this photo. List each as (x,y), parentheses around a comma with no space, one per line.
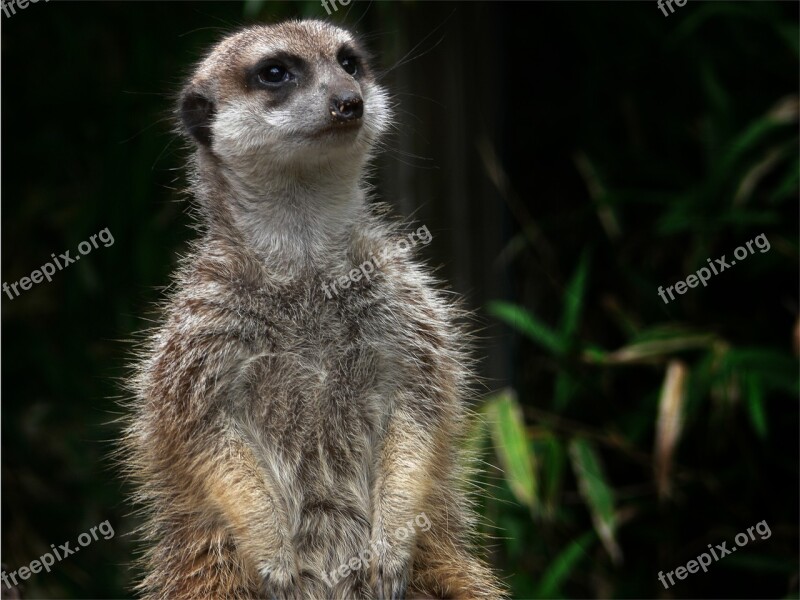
(248,501)
(223,530)
(406,461)
(191,441)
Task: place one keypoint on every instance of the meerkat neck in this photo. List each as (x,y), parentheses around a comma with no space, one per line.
(295,222)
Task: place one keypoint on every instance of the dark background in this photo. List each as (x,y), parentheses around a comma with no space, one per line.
(569,159)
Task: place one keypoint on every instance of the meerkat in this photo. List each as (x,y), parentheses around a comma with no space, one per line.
(278,430)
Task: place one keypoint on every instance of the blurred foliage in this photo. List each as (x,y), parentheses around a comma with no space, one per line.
(679,422)
(634,433)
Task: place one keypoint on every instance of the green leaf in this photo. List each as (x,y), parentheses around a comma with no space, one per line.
(520,319)
(552,457)
(594,354)
(747,140)
(564,564)
(776,370)
(573,300)
(788,186)
(597,493)
(566,387)
(716,93)
(511,442)
(755,405)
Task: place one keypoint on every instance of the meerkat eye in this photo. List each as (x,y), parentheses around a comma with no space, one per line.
(272,74)
(349,64)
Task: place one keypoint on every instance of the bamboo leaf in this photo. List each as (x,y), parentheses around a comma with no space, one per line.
(644,351)
(551,452)
(511,442)
(784,113)
(566,387)
(597,494)
(573,298)
(755,405)
(564,564)
(523,321)
(669,424)
(788,186)
(776,370)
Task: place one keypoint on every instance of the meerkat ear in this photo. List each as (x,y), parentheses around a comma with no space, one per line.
(197,110)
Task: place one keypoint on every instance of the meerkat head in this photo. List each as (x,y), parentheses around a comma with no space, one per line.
(282,97)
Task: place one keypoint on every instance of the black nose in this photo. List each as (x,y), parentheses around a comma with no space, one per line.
(347,107)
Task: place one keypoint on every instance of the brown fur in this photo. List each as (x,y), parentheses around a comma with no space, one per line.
(276,432)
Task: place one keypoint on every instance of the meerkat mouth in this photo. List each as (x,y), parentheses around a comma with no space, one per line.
(336,129)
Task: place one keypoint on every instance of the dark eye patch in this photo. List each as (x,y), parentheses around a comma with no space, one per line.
(352,61)
(274,71)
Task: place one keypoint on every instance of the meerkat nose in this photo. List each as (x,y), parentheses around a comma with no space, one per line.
(347,107)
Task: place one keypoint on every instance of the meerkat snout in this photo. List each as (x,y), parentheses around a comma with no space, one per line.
(347,107)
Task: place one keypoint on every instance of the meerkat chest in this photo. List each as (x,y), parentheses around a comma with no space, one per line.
(319,368)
